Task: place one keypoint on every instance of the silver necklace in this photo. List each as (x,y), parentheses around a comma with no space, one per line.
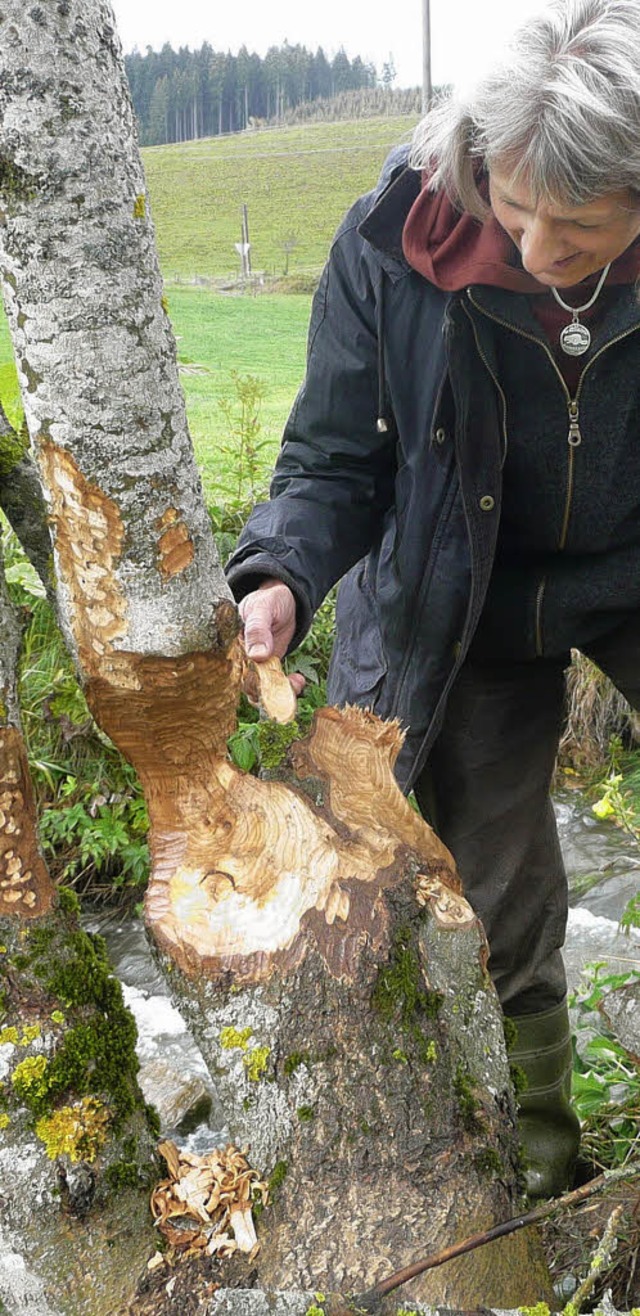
(575,338)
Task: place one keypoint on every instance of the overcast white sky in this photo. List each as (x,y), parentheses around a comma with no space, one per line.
(462,30)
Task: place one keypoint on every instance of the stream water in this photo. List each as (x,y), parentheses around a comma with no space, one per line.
(603,866)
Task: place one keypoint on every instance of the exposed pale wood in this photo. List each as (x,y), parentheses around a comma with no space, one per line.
(26,889)
(257,857)
(267,685)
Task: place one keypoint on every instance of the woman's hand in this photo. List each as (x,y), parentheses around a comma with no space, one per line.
(269,617)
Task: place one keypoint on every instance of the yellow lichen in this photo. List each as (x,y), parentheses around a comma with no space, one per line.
(29,1079)
(255,1062)
(30,1034)
(139,207)
(4,1121)
(9,1036)
(235,1038)
(78,1131)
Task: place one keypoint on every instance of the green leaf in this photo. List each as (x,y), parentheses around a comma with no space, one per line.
(24,575)
(242,751)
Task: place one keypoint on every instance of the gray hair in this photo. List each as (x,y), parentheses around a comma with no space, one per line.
(561,108)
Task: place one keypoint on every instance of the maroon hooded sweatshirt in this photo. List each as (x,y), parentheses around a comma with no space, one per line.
(454,251)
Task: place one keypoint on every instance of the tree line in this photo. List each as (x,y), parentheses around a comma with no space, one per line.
(366,103)
(182,95)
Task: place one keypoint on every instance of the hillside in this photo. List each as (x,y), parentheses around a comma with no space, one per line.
(297,183)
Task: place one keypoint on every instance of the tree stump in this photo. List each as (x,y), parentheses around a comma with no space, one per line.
(312,926)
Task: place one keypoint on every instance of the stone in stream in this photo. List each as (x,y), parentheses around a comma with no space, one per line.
(182,1100)
(621,1009)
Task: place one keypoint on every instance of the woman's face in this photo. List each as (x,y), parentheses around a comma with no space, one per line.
(561,245)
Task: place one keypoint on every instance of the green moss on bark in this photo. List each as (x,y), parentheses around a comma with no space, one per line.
(12,449)
(274,740)
(65,974)
(401,998)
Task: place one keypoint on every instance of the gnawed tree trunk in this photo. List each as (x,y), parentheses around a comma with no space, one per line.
(334,974)
(74,1127)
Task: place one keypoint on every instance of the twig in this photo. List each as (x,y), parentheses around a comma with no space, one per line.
(369,1303)
(600,1258)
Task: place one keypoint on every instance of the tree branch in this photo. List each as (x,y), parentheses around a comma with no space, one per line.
(370,1303)
(22,501)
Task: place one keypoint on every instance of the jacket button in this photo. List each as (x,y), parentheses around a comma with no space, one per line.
(487,503)
(440,436)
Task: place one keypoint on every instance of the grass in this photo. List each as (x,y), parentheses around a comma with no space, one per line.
(296,183)
(263,336)
(217,334)
(9,390)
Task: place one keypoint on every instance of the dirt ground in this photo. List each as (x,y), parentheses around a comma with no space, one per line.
(182,1285)
(570,1241)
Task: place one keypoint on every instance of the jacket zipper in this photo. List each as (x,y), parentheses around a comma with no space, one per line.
(483,358)
(574,436)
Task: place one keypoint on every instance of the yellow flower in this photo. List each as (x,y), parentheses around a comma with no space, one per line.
(603,808)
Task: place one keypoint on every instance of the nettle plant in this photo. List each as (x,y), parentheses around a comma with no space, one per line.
(606,1081)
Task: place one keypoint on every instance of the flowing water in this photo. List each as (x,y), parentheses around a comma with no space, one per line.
(603,868)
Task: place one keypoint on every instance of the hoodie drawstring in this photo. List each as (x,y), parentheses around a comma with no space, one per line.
(382,423)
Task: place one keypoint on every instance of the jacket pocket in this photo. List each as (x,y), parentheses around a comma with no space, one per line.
(358,663)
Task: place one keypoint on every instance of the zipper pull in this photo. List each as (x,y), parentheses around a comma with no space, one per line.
(574,438)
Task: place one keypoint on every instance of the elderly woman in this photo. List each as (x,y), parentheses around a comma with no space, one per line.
(464,453)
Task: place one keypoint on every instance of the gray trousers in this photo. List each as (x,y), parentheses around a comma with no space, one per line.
(486,790)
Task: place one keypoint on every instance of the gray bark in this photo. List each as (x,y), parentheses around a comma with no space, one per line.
(244,1302)
(382,1130)
(51,1265)
(93,345)
(44,1268)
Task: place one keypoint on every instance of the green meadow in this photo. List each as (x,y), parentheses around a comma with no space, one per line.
(295,182)
(218,335)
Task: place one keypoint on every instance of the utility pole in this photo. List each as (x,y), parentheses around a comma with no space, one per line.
(245,237)
(427,89)
(243,247)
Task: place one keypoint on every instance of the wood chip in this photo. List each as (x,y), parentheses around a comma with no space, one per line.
(206,1201)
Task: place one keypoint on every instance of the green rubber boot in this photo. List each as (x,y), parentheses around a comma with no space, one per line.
(549,1127)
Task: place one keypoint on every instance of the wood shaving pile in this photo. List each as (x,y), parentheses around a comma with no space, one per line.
(206,1203)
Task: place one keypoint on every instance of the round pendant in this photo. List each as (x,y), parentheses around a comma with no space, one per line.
(575,339)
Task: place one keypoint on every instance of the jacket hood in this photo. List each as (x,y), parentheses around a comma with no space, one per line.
(453,250)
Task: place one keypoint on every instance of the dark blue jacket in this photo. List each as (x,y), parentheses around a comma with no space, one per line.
(405,512)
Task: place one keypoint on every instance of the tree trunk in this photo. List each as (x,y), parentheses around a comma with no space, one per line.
(22,501)
(333,972)
(74,1124)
